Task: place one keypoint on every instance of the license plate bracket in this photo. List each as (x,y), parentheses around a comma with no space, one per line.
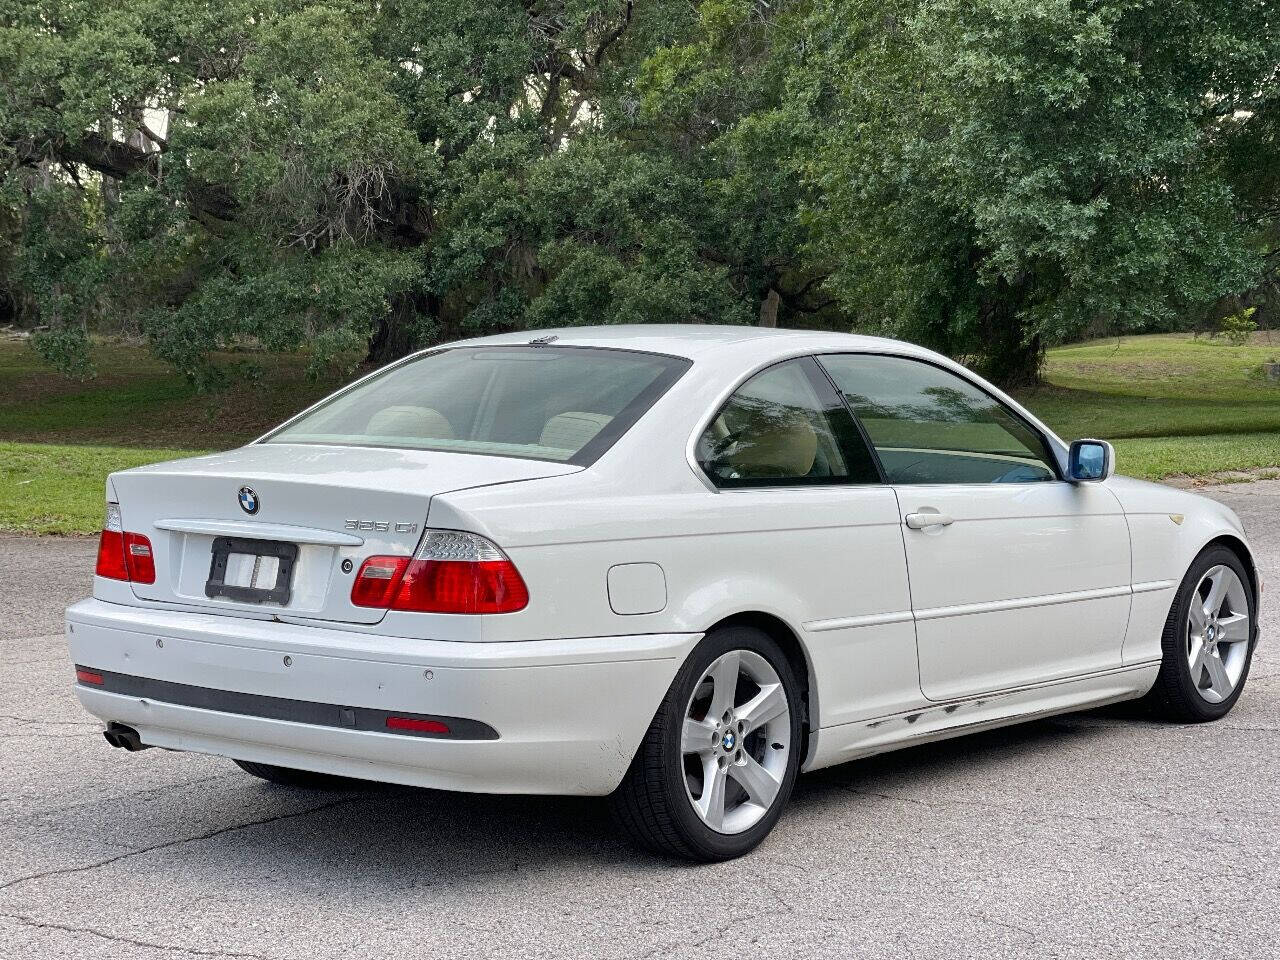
(230,576)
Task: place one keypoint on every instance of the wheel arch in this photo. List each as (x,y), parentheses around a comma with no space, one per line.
(1241,550)
(798,659)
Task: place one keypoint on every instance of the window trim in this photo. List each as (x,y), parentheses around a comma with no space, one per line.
(822,383)
(591,451)
(1047,450)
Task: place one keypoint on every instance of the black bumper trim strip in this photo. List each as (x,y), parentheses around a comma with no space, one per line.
(282,708)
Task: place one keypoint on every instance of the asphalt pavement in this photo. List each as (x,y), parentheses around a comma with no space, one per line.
(1101,834)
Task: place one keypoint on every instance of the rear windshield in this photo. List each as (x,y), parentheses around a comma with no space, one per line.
(567,404)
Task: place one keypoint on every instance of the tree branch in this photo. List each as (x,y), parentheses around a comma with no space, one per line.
(151,135)
(612,36)
(119,161)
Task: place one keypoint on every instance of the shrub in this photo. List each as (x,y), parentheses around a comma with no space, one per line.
(1238,327)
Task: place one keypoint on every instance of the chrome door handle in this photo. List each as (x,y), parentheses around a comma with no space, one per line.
(918,521)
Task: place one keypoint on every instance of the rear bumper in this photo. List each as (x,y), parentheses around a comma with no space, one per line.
(568,714)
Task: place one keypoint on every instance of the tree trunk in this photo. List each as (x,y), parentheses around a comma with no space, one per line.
(1010,356)
(396,333)
(769,308)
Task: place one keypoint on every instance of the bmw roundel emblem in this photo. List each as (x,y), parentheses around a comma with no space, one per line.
(249,501)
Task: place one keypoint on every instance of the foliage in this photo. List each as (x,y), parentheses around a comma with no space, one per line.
(1239,327)
(988,177)
(1004,174)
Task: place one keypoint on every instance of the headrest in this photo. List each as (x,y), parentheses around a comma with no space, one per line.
(774,447)
(572,431)
(422,423)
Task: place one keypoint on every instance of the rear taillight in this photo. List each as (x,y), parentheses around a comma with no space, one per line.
(378,580)
(452,572)
(123,555)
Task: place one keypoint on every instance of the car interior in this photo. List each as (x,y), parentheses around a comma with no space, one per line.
(569,431)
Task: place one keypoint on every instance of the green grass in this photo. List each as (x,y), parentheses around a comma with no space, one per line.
(137,401)
(51,488)
(1157,386)
(59,437)
(1173,405)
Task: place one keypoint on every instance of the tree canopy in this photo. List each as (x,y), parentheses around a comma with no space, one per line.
(366,176)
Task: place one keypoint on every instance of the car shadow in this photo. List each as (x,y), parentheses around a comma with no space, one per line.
(418,838)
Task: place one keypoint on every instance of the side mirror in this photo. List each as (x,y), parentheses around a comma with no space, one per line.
(1090,461)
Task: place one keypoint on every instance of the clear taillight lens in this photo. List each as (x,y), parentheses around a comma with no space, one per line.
(123,555)
(452,572)
(139,559)
(378,580)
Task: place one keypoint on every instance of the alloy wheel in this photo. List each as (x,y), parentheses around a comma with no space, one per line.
(1218,628)
(736,741)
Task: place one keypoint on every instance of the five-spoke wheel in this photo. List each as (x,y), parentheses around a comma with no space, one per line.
(736,741)
(720,759)
(1218,632)
(1208,640)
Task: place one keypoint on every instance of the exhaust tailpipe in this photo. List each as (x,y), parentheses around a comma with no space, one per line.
(118,735)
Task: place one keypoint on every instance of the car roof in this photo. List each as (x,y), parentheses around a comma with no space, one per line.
(695,341)
(731,347)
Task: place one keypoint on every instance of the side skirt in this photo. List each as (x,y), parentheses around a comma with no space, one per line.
(954,718)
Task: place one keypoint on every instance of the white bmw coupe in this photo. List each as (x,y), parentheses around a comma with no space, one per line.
(674,564)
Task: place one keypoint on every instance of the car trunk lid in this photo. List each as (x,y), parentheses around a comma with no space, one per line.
(266,529)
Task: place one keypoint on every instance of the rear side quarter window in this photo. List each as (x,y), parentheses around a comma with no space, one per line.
(785,426)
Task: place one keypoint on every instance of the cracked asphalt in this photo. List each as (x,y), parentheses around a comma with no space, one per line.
(1096,834)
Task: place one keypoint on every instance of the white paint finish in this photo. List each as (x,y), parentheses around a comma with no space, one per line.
(183,505)
(261,531)
(637,588)
(546,700)
(1023,603)
(942,720)
(1146,624)
(1163,550)
(337,643)
(864,672)
(801,554)
(1030,581)
(842,623)
(981,653)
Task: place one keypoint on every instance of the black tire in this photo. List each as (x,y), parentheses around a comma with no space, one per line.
(1174,696)
(652,804)
(288,777)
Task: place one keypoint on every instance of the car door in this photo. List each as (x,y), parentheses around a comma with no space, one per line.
(1017,576)
(812,534)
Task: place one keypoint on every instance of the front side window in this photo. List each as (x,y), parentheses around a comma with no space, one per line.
(785,426)
(930,426)
(567,404)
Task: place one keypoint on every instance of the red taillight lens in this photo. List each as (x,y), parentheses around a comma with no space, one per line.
(121,555)
(88,676)
(462,586)
(452,572)
(377,581)
(111,556)
(138,558)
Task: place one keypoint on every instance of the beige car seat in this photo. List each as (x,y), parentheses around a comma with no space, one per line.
(422,423)
(573,430)
(773,446)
